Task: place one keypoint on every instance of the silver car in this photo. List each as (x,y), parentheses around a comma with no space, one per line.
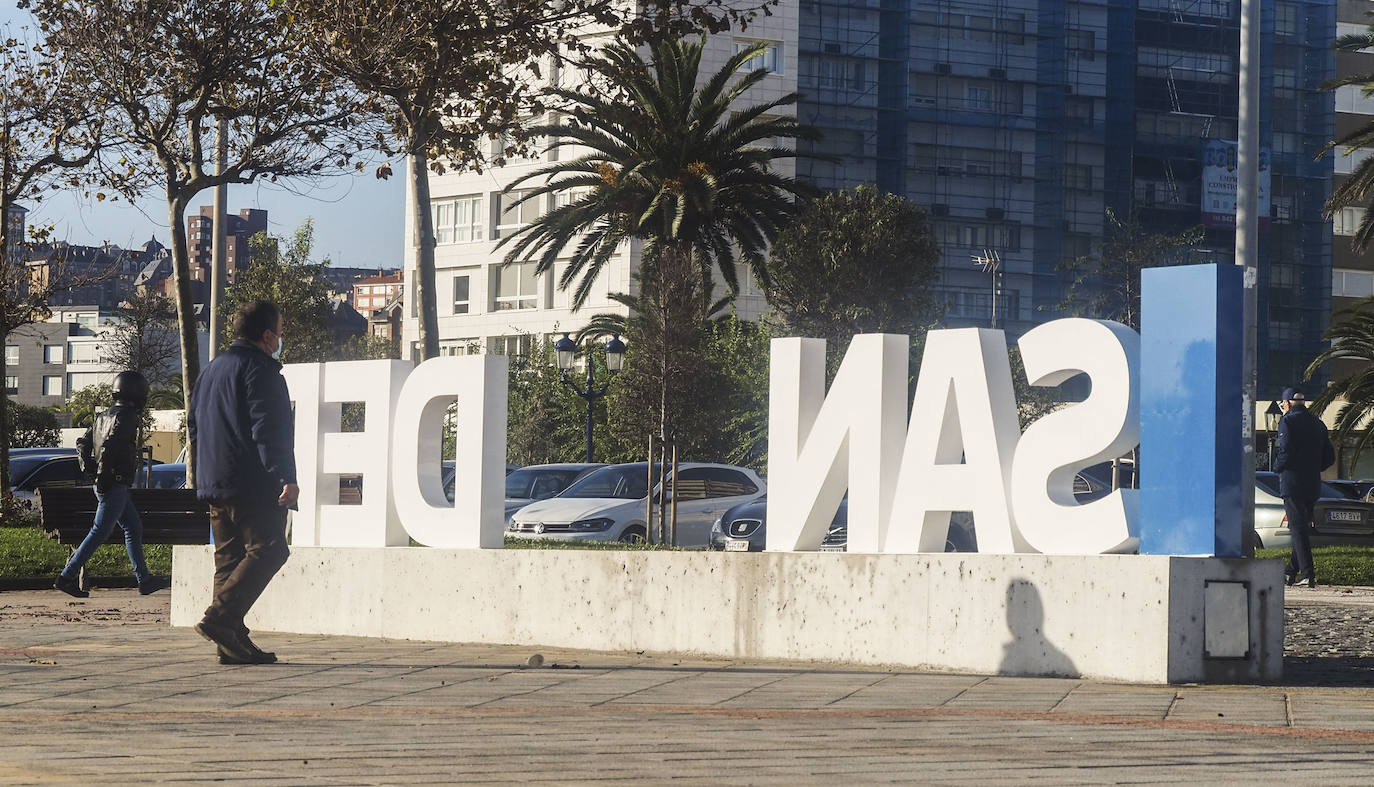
(1337,520)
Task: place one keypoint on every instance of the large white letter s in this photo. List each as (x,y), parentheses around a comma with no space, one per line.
(1104,426)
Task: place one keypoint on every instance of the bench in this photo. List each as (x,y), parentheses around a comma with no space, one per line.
(169,516)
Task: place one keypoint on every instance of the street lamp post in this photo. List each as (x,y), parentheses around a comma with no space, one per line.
(1271,425)
(565,350)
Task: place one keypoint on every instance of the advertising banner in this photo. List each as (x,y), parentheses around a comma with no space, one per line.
(1220,179)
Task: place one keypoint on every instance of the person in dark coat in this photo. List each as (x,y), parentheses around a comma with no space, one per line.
(242,432)
(1304,451)
(108,452)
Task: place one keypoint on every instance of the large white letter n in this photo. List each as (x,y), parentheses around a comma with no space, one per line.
(818,445)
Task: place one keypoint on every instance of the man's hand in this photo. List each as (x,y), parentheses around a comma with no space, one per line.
(289,495)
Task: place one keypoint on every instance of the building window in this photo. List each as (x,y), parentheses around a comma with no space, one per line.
(11,355)
(52,385)
(978,99)
(1346,164)
(1078,176)
(461,293)
(460,347)
(11,385)
(1347,222)
(458,220)
(510,346)
(85,352)
(516,287)
(514,214)
(1081,44)
(52,353)
(1285,19)
(770,59)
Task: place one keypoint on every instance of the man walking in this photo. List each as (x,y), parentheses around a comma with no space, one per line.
(241,429)
(109,453)
(1304,451)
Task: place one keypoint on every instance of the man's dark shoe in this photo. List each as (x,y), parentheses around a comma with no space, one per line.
(154,584)
(1311,582)
(71,587)
(227,639)
(263,656)
(260,657)
(1290,578)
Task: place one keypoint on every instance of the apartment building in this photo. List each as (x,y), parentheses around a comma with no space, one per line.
(200,238)
(1017,124)
(1352,275)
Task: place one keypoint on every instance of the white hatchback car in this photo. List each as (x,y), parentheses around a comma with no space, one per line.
(608,504)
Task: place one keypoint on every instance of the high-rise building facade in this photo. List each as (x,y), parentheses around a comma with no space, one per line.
(1017,124)
(1352,275)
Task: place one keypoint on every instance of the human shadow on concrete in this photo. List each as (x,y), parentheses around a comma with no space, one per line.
(1028,652)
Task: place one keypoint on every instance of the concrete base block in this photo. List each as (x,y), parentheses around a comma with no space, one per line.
(1136,618)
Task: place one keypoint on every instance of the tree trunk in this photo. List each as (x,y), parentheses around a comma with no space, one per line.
(186,317)
(423,241)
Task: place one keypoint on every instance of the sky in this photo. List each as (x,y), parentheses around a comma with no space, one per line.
(359,220)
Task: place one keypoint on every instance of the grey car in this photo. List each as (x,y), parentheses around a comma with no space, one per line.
(1337,520)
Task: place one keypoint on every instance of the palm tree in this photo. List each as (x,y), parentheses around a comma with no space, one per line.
(1356,187)
(669,163)
(675,165)
(1352,339)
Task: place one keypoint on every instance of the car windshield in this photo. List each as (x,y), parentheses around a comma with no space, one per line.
(167,477)
(21,466)
(626,482)
(530,483)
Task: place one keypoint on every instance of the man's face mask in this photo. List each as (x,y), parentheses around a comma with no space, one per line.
(276,354)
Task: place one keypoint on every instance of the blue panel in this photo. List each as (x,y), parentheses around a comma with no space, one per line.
(1190,410)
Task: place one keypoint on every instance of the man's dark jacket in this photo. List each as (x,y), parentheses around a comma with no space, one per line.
(241,426)
(1304,451)
(109,449)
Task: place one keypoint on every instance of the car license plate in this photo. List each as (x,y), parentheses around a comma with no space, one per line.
(830,548)
(737,545)
(1343,516)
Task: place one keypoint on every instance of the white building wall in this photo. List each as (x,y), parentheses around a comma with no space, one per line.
(484,324)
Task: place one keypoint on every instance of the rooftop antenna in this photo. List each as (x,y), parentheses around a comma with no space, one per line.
(991,262)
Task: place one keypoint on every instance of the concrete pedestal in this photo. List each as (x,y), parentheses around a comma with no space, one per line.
(1136,618)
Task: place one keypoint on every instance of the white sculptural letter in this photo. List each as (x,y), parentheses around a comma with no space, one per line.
(819,444)
(313,417)
(1054,448)
(475,519)
(964,407)
(377,384)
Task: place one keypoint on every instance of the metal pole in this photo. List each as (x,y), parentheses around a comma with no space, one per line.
(649,498)
(589,397)
(672,503)
(1247,250)
(217,252)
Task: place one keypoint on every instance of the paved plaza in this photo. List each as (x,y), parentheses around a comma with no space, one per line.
(102,691)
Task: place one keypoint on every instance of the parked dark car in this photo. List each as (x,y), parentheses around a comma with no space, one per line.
(1355,490)
(744,529)
(29,472)
(171,475)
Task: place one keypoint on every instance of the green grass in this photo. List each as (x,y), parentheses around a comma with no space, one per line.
(1336,565)
(26,552)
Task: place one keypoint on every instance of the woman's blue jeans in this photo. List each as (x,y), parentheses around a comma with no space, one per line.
(114,507)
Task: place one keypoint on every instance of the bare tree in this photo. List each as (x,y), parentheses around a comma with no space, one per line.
(170,71)
(145,339)
(451,74)
(47,136)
